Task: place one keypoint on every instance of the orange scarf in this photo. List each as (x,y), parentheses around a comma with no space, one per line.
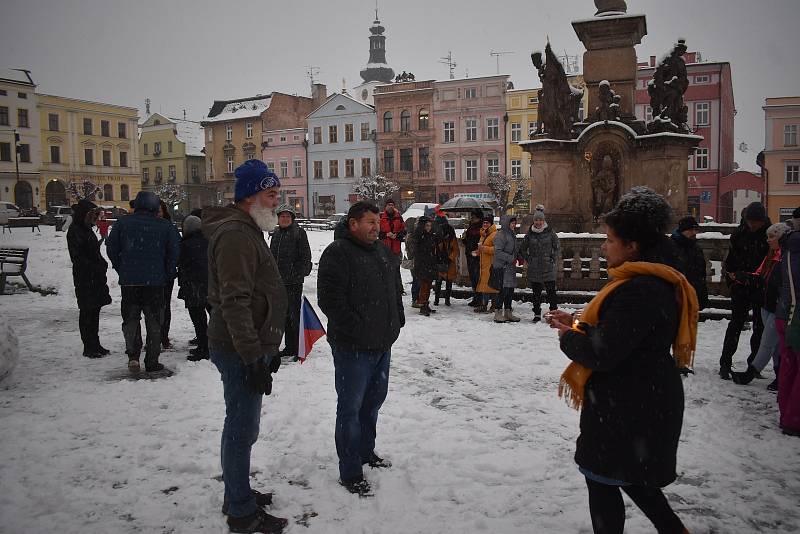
(575,376)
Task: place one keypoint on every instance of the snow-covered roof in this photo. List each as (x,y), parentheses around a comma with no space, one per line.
(241,110)
(192,134)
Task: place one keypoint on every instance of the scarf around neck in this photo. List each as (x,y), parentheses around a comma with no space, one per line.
(575,376)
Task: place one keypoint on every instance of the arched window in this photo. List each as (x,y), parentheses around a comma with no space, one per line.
(108,192)
(55,193)
(423,119)
(405,121)
(124,192)
(387,121)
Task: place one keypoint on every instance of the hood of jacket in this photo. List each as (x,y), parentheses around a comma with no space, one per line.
(505,219)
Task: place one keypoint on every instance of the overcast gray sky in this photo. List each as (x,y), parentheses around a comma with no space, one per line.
(183,54)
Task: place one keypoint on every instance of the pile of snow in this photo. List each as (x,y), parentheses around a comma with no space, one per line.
(9,350)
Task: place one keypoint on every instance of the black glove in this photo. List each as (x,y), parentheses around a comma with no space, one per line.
(258,378)
(275,364)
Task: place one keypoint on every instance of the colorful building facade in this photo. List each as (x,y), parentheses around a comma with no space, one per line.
(284,152)
(522,107)
(20,146)
(780,160)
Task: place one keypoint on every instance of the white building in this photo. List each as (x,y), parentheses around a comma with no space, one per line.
(19,115)
(341,149)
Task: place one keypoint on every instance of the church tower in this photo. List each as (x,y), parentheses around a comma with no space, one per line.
(377,70)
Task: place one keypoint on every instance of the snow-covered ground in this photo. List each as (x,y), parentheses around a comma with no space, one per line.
(479,440)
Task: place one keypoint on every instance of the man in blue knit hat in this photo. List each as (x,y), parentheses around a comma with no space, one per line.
(248,308)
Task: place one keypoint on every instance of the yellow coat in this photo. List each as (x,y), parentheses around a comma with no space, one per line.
(450,246)
(487,257)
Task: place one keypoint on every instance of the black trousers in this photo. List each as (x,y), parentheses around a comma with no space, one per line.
(294,293)
(608,510)
(448,289)
(200,322)
(741,305)
(89,324)
(167,315)
(138,300)
(474,268)
(536,297)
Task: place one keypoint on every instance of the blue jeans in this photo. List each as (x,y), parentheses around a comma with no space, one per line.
(769,348)
(362,380)
(242,417)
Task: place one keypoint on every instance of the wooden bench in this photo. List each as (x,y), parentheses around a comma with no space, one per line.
(22,222)
(13,262)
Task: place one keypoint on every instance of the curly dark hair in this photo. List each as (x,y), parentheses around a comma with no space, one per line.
(642,216)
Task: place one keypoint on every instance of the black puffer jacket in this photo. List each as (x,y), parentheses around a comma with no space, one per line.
(426,255)
(746,250)
(88,265)
(633,402)
(193,270)
(359,289)
(693,263)
(290,248)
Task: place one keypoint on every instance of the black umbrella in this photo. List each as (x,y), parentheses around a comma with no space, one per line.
(465,204)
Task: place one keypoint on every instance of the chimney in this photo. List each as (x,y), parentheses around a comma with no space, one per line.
(318,94)
(652,61)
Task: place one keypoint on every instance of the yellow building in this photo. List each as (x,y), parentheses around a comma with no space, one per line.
(780,160)
(84,140)
(172,153)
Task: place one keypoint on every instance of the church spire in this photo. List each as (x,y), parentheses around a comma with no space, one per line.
(377,70)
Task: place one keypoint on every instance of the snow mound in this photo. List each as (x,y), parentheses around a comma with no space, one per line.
(9,350)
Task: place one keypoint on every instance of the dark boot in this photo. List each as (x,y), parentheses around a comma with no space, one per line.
(358,487)
(743,378)
(725,373)
(425,310)
(262,501)
(260,521)
(447,294)
(197,354)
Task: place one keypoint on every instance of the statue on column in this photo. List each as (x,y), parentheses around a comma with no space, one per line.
(558,100)
(608,110)
(666,91)
(604,188)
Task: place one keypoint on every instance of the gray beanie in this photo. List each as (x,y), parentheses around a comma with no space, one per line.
(538,215)
(286,208)
(191,224)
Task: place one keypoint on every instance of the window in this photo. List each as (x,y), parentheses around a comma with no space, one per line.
(406,159)
(516,132)
(492,129)
(24,153)
(470,92)
(124,192)
(157,148)
(533,100)
(5,151)
(296,137)
(145,149)
(284,169)
(229,164)
(108,192)
(472,129)
(88,156)
(364,131)
(516,167)
(317,169)
(248,130)
(424,159)
(146,175)
(388,160)
(22,118)
(648,114)
(790,135)
(701,110)
(348,133)
(270,164)
(405,121)
(160,174)
(424,119)
(22,95)
(705,78)
(172,173)
(55,154)
(449,132)
(493,166)
(701,159)
(52,121)
(349,168)
(366,167)
(3,116)
(333,168)
(298,168)
(472,170)
(387,121)
(228,132)
(450,171)
(169,146)
(531,129)
(283,139)
(104,129)
(195,173)
(123,159)
(87,126)
(122,130)
(106,158)
(333,134)
(317,135)
(793,172)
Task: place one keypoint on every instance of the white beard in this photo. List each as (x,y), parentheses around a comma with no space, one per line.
(265,218)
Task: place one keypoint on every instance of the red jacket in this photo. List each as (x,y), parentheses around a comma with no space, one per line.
(393,225)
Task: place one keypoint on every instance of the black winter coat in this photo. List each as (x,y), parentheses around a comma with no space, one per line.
(746,250)
(693,263)
(472,236)
(193,270)
(359,289)
(88,266)
(290,248)
(426,256)
(633,402)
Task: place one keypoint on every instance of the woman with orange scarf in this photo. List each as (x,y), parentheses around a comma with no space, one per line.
(626,350)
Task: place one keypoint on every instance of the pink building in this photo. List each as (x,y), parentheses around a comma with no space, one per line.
(468,116)
(284,152)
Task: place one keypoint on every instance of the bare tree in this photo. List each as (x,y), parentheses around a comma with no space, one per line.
(375,188)
(171,194)
(508,191)
(83,190)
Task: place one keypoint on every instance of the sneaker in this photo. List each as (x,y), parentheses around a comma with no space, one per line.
(134,367)
(154,368)
(376,462)
(262,501)
(773,386)
(360,487)
(260,521)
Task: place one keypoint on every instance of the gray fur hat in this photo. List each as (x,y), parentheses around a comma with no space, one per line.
(538,215)
(191,224)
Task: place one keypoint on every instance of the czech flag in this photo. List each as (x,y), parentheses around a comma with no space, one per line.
(310,331)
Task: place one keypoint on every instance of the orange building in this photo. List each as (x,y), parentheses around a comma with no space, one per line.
(780,160)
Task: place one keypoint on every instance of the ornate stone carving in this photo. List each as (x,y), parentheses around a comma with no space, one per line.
(608,110)
(605,187)
(666,91)
(404,77)
(558,100)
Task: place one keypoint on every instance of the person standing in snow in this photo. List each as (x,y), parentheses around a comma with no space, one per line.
(144,250)
(506,251)
(539,250)
(425,262)
(472,237)
(448,253)
(289,247)
(485,252)
(248,312)
(360,291)
(787,323)
(393,230)
(193,283)
(166,316)
(623,376)
(692,257)
(89,275)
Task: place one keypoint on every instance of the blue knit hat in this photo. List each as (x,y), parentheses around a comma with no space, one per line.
(252,177)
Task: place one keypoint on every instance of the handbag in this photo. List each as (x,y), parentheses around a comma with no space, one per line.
(406,263)
(496,278)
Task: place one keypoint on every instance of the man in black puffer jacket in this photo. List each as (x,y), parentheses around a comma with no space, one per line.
(359,289)
(193,282)
(692,258)
(290,248)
